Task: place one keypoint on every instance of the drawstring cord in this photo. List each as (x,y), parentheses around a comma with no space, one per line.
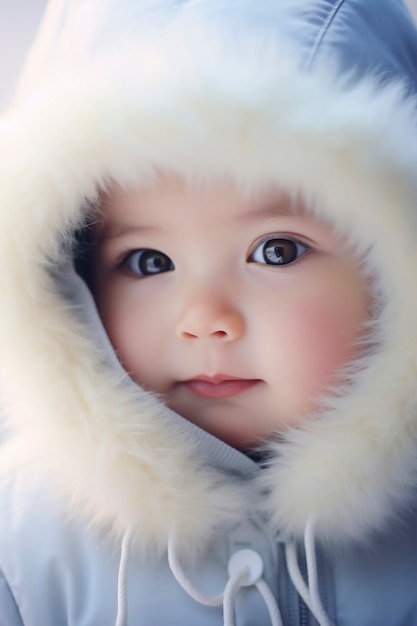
(183,581)
(121,619)
(238,579)
(311,593)
(227,598)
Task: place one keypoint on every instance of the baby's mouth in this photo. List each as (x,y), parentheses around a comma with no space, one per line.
(219,386)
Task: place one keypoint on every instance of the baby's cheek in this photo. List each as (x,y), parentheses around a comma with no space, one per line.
(133,331)
(327,339)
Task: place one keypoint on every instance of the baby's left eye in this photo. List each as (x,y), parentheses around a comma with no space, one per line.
(279,251)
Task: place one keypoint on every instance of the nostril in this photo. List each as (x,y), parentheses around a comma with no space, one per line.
(187,335)
(219,333)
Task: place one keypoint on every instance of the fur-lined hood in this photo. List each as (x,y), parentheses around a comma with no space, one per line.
(306,94)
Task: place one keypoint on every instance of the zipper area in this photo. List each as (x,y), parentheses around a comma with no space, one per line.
(304,613)
(306,618)
(288,597)
(293,609)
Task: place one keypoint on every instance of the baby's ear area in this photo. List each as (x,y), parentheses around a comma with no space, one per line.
(106,449)
(83,253)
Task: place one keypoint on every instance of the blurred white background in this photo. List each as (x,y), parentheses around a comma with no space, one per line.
(19,20)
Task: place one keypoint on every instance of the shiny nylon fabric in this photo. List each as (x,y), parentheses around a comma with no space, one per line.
(360,34)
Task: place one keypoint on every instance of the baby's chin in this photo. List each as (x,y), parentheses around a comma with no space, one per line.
(228,425)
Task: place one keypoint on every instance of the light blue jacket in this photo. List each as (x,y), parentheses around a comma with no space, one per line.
(56,573)
(113,509)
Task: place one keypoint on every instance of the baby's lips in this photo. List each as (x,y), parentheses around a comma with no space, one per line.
(219,385)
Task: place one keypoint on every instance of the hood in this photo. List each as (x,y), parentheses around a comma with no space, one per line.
(311,95)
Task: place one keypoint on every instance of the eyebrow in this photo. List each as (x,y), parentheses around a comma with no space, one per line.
(278,208)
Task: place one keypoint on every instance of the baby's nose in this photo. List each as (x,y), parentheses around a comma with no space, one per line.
(210,317)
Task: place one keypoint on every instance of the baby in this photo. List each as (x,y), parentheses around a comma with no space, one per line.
(209,412)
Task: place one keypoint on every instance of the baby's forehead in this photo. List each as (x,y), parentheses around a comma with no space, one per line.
(147,198)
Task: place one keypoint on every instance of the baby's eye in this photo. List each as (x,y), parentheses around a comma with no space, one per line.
(147,262)
(279,251)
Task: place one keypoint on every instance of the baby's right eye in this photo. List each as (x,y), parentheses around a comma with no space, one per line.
(146,262)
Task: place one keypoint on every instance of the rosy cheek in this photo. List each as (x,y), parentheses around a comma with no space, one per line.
(326,338)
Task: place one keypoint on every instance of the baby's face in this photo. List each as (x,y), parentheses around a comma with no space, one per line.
(239,312)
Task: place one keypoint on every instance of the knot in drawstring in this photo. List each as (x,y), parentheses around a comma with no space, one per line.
(245,569)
